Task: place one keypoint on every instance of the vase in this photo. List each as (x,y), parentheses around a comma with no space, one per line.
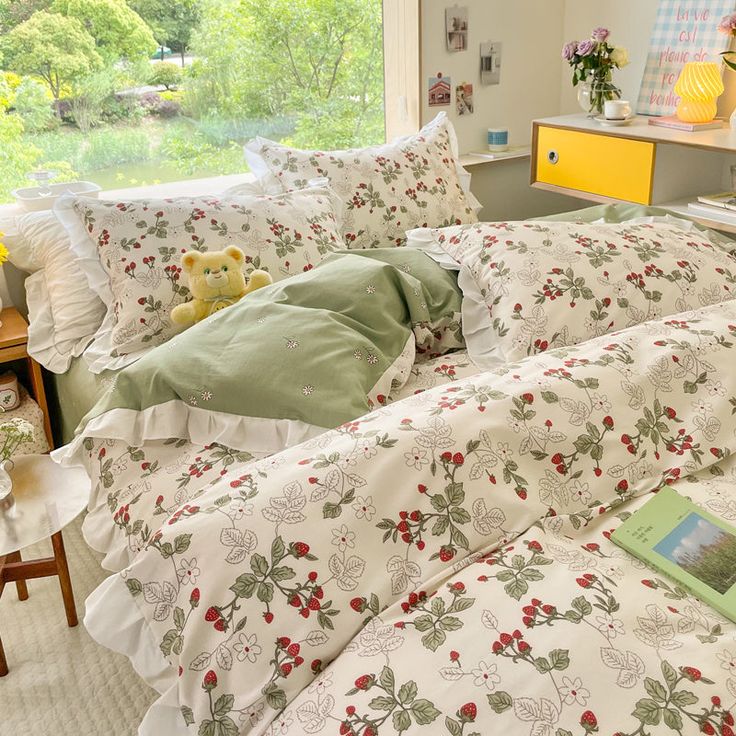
(6,482)
(593,95)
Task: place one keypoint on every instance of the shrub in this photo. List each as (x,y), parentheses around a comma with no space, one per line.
(34,104)
(114,146)
(166,74)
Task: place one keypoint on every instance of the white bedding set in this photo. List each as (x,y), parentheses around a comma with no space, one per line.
(443,564)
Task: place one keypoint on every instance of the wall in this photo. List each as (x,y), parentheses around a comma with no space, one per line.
(531,32)
(630,23)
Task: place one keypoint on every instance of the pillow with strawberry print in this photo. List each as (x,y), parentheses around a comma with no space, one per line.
(129,251)
(388,189)
(533,286)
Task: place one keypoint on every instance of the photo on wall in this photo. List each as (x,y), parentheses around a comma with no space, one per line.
(464,99)
(490,62)
(456,28)
(440,91)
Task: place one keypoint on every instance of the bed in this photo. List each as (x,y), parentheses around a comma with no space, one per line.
(441,563)
(377,497)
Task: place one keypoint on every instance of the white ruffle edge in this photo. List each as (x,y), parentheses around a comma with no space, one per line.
(480,339)
(132,637)
(257,435)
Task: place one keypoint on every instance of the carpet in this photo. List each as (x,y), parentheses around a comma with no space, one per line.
(61,683)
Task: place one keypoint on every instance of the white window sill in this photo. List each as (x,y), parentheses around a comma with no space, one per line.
(186,188)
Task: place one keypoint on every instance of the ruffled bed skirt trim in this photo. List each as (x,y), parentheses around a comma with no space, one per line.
(130,636)
(257,435)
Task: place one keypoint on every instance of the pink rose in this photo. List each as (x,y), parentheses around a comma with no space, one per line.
(600,34)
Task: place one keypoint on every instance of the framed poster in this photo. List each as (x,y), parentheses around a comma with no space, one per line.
(685,30)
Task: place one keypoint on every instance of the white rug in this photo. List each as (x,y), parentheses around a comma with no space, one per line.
(61,683)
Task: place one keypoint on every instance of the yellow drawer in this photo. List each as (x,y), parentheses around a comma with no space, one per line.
(603,165)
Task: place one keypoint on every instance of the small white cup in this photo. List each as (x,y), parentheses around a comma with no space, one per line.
(616,109)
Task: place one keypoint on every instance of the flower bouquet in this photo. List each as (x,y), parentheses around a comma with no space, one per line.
(13,434)
(593,61)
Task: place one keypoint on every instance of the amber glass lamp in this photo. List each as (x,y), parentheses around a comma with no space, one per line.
(698,87)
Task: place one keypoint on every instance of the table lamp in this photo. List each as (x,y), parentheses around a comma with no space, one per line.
(699,86)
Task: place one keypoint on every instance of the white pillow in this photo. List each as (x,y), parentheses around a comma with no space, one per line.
(130,251)
(532,286)
(412,182)
(63,312)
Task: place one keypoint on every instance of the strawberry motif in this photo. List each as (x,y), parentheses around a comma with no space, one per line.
(300,549)
(691,673)
(364,682)
(209,681)
(588,721)
(358,604)
(468,712)
(293,649)
(212,614)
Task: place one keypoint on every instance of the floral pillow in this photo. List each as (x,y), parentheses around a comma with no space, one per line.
(387,190)
(532,286)
(130,250)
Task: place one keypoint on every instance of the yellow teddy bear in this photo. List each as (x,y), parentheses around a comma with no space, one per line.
(216,281)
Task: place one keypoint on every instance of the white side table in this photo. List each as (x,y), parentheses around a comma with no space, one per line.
(46,497)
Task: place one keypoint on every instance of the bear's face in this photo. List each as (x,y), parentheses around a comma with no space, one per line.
(218,273)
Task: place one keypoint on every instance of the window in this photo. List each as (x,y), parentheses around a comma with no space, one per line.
(134,92)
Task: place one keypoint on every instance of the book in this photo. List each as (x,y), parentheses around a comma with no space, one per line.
(672,121)
(717,214)
(726,200)
(687,544)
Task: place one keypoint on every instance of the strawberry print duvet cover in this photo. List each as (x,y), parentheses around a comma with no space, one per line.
(441,565)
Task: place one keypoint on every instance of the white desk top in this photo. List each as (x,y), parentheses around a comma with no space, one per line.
(723,139)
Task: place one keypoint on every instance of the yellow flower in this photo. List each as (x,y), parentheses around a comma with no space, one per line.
(3,251)
(620,57)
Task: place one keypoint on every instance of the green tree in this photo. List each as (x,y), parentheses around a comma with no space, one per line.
(14,12)
(18,157)
(33,104)
(166,74)
(172,23)
(53,47)
(318,61)
(117,29)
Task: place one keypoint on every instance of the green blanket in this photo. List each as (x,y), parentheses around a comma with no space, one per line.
(307,353)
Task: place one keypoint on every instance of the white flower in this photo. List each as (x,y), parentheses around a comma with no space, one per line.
(372,359)
(292,344)
(368,450)
(321,684)
(601,402)
(193,400)
(239,507)
(188,572)
(728,661)
(417,458)
(252,714)
(364,508)
(504,451)
(579,491)
(484,675)
(282,724)
(358,354)
(343,538)
(307,390)
(572,691)
(206,395)
(370,289)
(246,647)
(620,56)
(715,388)
(609,626)
(515,424)
(703,406)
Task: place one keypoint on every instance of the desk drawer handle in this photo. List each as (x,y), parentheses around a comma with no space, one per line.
(552,156)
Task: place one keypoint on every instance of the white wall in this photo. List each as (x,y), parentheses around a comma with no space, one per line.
(630,23)
(531,32)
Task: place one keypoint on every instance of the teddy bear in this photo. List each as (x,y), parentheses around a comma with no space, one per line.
(216,281)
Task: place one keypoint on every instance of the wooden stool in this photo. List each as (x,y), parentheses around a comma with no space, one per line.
(45,498)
